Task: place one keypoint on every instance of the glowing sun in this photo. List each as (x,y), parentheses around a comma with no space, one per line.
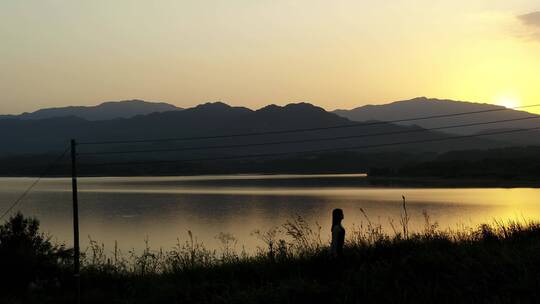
(508,102)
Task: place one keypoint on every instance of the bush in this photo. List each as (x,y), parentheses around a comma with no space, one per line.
(27,257)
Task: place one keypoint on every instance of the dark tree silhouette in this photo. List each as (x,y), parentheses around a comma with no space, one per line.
(28,257)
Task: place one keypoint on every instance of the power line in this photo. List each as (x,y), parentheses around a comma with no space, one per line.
(308,140)
(353,125)
(264,155)
(45,172)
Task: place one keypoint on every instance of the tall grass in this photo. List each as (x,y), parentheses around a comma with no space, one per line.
(295,239)
(491,263)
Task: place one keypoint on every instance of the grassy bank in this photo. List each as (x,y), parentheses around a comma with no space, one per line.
(497,263)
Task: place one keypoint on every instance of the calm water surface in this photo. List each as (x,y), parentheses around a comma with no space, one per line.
(162,209)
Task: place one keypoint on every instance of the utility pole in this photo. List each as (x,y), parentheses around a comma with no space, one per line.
(76,248)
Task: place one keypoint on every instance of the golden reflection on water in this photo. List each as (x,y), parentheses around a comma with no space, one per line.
(163,209)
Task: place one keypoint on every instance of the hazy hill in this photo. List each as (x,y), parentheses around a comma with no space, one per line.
(104,111)
(422,106)
(39,136)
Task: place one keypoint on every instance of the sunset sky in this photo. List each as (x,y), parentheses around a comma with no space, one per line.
(336,54)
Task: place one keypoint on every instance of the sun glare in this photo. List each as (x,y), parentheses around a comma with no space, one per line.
(508,102)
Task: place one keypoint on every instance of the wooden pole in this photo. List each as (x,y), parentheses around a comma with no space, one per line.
(76,248)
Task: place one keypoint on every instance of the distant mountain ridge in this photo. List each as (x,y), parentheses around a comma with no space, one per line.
(104,111)
(135,120)
(425,107)
(214,119)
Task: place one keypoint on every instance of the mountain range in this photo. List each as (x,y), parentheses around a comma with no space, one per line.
(103,111)
(427,107)
(48,130)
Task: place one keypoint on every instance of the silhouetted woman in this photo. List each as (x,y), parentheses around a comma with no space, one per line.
(338,234)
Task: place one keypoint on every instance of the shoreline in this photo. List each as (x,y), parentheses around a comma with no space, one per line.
(404,267)
(338,180)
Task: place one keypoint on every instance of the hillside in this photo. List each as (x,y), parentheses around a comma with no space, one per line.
(104,111)
(49,136)
(423,107)
(31,136)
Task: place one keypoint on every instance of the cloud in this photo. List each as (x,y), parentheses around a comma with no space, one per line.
(531,19)
(532,22)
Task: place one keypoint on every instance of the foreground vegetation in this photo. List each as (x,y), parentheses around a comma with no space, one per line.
(497,263)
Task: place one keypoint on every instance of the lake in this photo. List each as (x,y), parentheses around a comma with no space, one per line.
(162,209)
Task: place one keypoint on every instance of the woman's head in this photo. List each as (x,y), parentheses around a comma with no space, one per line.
(337,216)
